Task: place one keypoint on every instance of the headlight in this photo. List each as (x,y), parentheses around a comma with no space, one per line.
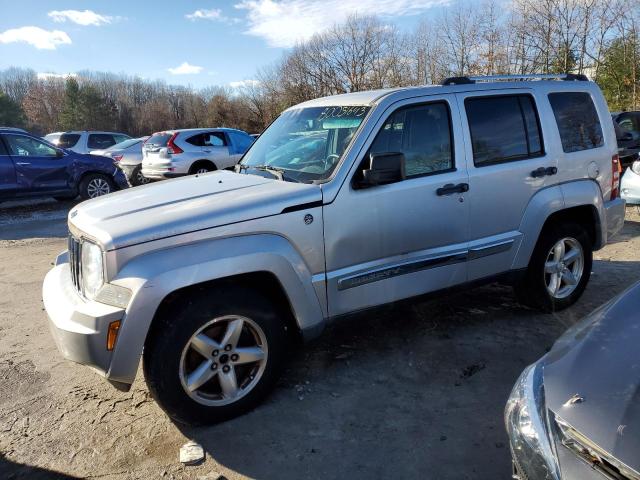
(92,278)
(636,167)
(526,424)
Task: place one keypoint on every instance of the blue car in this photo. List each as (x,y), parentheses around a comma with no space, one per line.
(30,166)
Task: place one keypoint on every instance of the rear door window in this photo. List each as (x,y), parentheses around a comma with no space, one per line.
(100,141)
(503,128)
(196,140)
(68,140)
(577,120)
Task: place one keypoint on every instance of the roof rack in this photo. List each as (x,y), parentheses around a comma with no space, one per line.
(570,77)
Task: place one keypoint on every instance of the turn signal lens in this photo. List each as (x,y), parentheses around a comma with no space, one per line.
(112,334)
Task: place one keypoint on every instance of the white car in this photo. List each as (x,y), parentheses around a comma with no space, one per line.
(85,141)
(630,184)
(175,153)
(128,156)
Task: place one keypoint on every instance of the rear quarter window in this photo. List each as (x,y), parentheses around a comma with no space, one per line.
(577,120)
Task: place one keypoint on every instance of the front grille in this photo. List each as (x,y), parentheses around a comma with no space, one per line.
(74,262)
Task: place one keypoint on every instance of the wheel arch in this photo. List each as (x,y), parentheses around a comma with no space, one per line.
(164,275)
(202,161)
(579,201)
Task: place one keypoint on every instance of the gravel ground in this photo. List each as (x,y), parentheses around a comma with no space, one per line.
(415,391)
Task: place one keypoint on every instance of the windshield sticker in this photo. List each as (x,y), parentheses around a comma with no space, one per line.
(345,111)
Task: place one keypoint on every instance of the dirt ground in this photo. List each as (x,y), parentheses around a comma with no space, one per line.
(411,392)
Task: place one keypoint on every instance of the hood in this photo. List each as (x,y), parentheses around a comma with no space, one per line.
(601,363)
(186,204)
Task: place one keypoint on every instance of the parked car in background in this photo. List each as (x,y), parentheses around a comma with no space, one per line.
(85,141)
(344,203)
(128,155)
(175,153)
(630,183)
(30,166)
(627,126)
(575,413)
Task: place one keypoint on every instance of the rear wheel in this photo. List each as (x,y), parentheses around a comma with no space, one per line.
(137,178)
(559,268)
(201,166)
(215,356)
(95,185)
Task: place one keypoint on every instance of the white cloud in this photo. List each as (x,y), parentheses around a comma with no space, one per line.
(283,23)
(244,83)
(38,37)
(185,69)
(214,14)
(81,17)
(50,75)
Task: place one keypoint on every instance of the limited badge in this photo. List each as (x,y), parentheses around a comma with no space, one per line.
(308,219)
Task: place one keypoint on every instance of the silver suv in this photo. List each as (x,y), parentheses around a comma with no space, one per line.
(342,204)
(176,153)
(84,141)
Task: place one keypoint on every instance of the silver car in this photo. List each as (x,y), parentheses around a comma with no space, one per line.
(84,141)
(575,413)
(342,204)
(128,156)
(176,153)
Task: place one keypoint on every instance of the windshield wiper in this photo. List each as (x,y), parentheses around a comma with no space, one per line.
(277,172)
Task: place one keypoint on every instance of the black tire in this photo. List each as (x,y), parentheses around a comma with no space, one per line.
(531,289)
(88,182)
(172,332)
(65,198)
(202,166)
(136,175)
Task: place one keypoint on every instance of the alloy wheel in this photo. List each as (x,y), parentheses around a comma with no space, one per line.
(564,267)
(223,361)
(98,187)
(202,170)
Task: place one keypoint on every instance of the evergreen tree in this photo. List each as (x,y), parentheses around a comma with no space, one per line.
(71,115)
(11,114)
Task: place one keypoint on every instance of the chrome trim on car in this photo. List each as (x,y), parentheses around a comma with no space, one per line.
(486,250)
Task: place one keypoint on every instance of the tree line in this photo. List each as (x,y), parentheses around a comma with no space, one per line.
(598,38)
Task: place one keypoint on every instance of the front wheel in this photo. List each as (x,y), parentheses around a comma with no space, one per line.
(95,185)
(559,268)
(215,356)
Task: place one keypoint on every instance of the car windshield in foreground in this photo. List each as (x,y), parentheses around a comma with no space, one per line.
(305,144)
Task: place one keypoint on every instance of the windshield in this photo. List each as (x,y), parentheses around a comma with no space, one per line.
(306,144)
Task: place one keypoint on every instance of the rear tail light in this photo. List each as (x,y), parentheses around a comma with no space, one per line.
(615,177)
(117,158)
(172,147)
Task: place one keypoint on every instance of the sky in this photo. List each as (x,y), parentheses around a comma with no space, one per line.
(198,43)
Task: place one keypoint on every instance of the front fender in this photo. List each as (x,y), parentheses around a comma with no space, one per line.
(151,277)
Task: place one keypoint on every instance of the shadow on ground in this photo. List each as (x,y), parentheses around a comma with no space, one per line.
(10,471)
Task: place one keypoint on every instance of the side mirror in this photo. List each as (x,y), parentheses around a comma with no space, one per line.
(59,153)
(384,168)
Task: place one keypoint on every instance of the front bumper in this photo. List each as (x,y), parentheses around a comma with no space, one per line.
(630,186)
(79,327)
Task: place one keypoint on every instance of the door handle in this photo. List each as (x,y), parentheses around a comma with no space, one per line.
(542,171)
(450,188)
(23,163)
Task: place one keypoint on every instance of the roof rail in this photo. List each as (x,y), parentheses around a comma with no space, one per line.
(516,78)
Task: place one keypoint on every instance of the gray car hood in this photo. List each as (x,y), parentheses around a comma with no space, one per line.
(601,363)
(184,205)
